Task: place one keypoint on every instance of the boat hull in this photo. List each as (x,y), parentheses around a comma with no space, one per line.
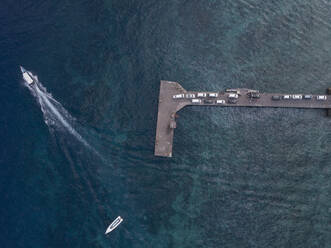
(114,224)
(28,77)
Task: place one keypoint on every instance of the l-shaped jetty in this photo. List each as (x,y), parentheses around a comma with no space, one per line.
(174,97)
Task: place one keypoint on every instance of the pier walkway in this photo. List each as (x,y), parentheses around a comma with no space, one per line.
(168,106)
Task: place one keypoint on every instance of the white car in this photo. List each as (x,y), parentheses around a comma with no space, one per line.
(179,96)
(232,91)
(286,97)
(220,101)
(296,97)
(196,101)
(201,94)
(213,94)
(233,96)
(321,98)
(190,95)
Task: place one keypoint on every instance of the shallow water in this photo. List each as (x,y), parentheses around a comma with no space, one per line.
(239,177)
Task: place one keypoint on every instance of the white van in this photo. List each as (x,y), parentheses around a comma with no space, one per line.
(220,101)
(321,98)
(233,95)
(296,97)
(196,101)
(213,94)
(201,94)
(179,96)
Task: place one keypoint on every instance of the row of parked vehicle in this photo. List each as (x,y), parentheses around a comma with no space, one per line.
(207,101)
(298,97)
(233,96)
(198,98)
(199,95)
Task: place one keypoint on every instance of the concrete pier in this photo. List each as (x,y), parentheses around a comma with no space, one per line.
(168,106)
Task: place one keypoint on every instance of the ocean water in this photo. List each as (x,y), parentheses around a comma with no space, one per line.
(239,177)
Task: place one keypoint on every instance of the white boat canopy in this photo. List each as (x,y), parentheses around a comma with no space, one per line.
(114,224)
(27,78)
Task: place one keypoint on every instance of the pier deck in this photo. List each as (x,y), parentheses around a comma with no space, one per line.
(166,120)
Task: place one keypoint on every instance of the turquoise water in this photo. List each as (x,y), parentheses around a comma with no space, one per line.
(239,177)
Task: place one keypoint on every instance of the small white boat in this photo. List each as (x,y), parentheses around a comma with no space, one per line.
(114,224)
(28,76)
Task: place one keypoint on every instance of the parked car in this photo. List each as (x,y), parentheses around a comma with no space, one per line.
(232,91)
(275,98)
(220,101)
(213,94)
(179,96)
(232,100)
(190,95)
(201,94)
(321,98)
(286,97)
(254,94)
(196,101)
(307,97)
(233,95)
(208,101)
(296,97)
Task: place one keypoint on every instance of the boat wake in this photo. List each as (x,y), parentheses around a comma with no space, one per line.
(56,117)
(93,176)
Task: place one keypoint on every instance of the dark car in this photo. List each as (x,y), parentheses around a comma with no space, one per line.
(307,97)
(208,101)
(275,98)
(232,100)
(254,95)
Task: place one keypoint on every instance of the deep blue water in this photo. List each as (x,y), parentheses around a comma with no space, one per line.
(238,178)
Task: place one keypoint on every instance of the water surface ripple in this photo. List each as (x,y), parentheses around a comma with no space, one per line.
(239,177)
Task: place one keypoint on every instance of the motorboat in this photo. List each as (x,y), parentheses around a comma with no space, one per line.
(28,76)
(114,224)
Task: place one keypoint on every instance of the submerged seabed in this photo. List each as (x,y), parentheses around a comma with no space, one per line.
(238,178)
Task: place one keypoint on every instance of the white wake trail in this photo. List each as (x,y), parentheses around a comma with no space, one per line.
(44,99)
(55,115)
